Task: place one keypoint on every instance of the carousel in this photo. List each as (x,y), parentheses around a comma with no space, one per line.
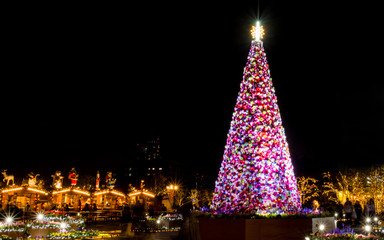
(108,198)
(29,196)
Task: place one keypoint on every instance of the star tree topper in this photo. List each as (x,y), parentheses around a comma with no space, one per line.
(257,31)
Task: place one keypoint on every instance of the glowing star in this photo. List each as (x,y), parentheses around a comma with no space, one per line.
(257,32)
(40,217)
(9,220)
(63,225)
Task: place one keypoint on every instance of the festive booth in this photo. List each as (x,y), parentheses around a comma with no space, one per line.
(71,198)
(141,197)
(24,197)
(109,199)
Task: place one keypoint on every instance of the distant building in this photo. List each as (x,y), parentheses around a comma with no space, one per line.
(147,164)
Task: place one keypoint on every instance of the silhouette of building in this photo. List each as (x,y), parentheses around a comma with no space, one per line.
(147,164)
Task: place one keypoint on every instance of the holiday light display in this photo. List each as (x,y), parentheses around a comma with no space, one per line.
(256,174)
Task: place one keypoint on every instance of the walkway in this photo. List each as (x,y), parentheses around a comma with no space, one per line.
(112,230)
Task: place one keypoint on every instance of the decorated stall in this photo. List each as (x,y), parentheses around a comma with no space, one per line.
(141,197)
(23,197)
(29,196)
(71,198)
(109,199)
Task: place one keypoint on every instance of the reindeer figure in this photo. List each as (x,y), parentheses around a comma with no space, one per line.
(8,177)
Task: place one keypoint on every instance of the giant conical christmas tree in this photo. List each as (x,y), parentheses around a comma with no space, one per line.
(256,174)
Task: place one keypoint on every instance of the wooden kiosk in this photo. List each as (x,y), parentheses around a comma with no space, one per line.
(141,197)
(109,199)
(24,197)
(74,198)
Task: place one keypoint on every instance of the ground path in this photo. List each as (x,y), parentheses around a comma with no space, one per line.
(112,230)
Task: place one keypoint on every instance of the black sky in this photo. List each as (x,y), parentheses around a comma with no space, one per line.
(85,83)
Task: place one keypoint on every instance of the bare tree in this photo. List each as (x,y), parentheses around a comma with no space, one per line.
(307,189)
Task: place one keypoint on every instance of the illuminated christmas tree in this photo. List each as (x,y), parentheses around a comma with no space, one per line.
(256,174)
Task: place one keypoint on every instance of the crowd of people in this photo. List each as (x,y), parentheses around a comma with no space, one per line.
(353,213)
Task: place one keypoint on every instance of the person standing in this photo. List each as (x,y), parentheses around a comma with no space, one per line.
(348,209)
(339,210)
(79,204)
(370,209)
(358,211)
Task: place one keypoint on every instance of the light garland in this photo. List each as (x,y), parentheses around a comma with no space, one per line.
(149,194)
(101,193)
(110,191)
(81,192)
(141,192)
(256,173)
(12,190)
(23,188)
(62,191)
(118,193)
(37,191)
(71,190)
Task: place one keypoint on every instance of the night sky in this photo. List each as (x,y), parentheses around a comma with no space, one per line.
(84,84)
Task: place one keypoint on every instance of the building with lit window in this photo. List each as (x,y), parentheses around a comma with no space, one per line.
(147,164)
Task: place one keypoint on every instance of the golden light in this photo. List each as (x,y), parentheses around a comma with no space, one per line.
(257,31)
(172,187)
(139,192)
(37,191)
(118,193)
(111,192)
(101,193)
(12,190)
(62,191)
(71,190)
(134,194)
(81,192)
(149,194)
